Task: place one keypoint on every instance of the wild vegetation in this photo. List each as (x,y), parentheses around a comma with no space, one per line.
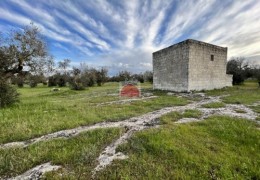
(241,70)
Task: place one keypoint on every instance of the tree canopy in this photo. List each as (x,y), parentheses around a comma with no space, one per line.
(240,68)
(23,48)
(22,52)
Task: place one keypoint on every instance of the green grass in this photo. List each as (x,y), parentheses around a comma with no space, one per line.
(256,108)
(175,116)
(240,111)
(218,148)
(42,111)
(248,93)
(214,105)
(192,113)
(76,155)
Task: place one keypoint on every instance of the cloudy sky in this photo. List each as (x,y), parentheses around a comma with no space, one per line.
(122,34)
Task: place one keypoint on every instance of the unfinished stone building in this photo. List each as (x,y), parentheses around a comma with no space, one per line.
(190,65)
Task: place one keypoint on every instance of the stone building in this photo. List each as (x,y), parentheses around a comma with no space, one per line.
(190,65)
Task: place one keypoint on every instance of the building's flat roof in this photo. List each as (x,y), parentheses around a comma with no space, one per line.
(192,41)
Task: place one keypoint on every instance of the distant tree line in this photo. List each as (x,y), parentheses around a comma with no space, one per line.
(126,76)
(241,70)
(79,77)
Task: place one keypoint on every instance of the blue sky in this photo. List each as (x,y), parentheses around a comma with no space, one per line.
(122,34)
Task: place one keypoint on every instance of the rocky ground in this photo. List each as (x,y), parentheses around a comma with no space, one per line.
(132,125)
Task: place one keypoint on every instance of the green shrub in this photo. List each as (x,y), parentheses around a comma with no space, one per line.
(33,83)
(8,94)
(61,81)
(20,82)
(52,81)
(76,84)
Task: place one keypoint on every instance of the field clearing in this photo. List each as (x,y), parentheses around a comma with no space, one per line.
(217,146)
(42,111)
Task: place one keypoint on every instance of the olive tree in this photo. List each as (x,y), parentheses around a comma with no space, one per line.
(236,67)
(24,48)
(22,51)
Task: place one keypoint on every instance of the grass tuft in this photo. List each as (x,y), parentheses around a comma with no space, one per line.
(214,105)
(175,116)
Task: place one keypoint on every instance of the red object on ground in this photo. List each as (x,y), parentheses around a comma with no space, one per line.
(130,90)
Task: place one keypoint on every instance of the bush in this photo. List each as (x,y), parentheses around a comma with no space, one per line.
(17,80)
(76,84)
(32,83)
(238,78)
(58,79)
(61,81)
(148,76)
(236,67)
(52,81)
(20,82)
(138,77)
(33,80)
(256,74)
(8,94)
(91,81)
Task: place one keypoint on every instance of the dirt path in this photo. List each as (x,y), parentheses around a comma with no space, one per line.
(131,125)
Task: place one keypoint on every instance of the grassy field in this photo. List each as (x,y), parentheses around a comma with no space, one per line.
(219,148)
(42,111)
(77,154)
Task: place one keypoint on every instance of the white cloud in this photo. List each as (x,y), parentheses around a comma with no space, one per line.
(123,34)
(58,45)
(237,27)
(88,35)
(22,21)
(187,15)
(13,17)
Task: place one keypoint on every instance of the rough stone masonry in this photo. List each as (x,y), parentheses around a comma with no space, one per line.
(190,65)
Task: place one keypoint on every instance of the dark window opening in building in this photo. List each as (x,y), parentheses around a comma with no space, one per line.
(212,57)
